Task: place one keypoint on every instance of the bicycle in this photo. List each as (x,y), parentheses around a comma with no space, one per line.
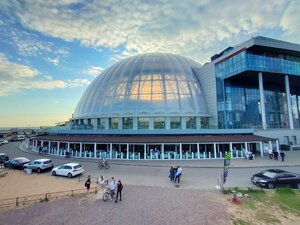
(103,163)
(108,194)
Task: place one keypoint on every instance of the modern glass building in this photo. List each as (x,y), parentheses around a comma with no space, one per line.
(247,98)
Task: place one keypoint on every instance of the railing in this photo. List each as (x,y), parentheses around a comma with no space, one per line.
(30,199)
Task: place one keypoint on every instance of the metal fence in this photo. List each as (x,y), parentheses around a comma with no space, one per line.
(30,199)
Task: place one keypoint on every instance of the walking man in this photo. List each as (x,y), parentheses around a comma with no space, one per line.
(282,155)
(178,174)
(112,187)
(119,191)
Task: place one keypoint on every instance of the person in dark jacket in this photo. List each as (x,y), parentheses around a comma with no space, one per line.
(172,173)
(275,153)
(88,183)
(119,190)
(282,155)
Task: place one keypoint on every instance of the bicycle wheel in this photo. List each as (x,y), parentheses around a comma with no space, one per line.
(107,166)
(100,166)
(105,196)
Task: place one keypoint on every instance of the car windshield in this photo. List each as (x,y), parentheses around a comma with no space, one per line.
(269,174)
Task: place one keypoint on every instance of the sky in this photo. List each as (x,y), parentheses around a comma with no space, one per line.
(50,51)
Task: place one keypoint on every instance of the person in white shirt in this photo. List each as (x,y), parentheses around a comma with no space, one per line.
(178,174)
(112,187)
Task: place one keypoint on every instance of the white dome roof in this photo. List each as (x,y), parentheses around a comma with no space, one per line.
(145,85)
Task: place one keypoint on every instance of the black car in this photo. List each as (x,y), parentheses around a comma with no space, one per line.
(273,178)
(3,157)
(16,163)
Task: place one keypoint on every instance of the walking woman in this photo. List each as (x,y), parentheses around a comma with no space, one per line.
(88,183)
(119,190)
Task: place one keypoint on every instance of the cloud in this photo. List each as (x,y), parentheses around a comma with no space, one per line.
(15,77)
(54,61)
(193,29)
(94,70)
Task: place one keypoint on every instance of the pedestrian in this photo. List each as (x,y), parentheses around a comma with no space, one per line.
(112,187)
(101,182)
(251,156)
(270,153)
(178,174)
(172,173)
(282,155)
(119,191)
(88,183)
(275,153)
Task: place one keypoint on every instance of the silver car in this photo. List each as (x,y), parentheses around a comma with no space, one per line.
(40,165)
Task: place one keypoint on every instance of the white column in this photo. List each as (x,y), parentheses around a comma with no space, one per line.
(230,149)
(215,150)
(180,151)
(277,145)
(49,146)
(270,145)
(110,150)
(133,149)
(58,148)
(288,101)
(163,151)
(262,100)
(261,149)
(95,150)
(127,154)
(198,151)
(68,147)
(145,151)
(80,149)
(42,143)
(246,147)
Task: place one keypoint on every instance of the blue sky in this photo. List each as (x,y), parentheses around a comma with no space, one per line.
(51,50)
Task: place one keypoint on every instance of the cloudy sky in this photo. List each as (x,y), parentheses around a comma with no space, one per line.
(51,50)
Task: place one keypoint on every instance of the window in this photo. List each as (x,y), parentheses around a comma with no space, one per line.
(128,123)
(191,122)
(113,123)
(159,122)
(101,123)
(175,122)
(143,123)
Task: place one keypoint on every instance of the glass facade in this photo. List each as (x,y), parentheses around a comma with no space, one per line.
(143,123)
(127,123)
(191,122)
(249,61)
(159,122)
(175,122)
(101,123)
(113,123)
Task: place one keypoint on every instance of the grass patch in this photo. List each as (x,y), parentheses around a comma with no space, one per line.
(265,217)
(288,200)
(241,222)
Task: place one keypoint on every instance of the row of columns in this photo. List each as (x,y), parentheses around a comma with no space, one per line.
(215,149)
(262,101)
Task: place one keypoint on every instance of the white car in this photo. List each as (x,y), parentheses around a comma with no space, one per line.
(4,141)
(69,170)
(39,165)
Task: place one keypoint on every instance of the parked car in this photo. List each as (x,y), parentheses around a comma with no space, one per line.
(3,157)
(4,141)
(16,163)
(273,178)
(39,165)
(69,170)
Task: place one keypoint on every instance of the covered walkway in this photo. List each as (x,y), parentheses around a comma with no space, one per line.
(160,147)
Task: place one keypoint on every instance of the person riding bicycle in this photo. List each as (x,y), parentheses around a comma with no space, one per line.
(103,161)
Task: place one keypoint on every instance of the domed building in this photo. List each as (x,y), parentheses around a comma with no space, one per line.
(166,106)
(145,92)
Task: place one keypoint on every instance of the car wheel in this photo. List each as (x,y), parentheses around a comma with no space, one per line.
(270,186)
(69,175)
(53,173)
(38,170)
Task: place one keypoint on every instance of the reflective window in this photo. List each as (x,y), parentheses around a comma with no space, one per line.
(191,122)
(204,122)
(175,122)
(159,122)
(143,123)
(113,123)
(101,123)
(128,123)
